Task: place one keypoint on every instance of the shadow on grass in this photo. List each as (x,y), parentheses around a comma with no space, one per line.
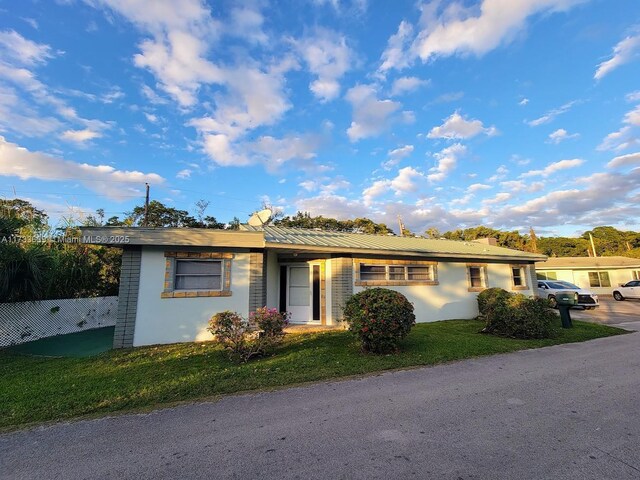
(34,389)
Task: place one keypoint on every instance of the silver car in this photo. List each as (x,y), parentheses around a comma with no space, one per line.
(550,288)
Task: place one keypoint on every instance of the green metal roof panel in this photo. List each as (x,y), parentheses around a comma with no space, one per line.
(356,241)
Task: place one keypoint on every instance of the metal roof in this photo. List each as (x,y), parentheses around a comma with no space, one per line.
(588,262)
(298,238)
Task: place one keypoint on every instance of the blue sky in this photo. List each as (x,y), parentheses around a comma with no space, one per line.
(502,113)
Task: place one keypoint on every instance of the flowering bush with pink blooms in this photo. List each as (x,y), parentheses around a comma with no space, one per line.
(270,321)
(242,338)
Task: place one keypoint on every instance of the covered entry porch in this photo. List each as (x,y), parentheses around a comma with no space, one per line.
(306,285)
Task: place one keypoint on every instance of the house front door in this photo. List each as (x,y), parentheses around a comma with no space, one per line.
(299,293)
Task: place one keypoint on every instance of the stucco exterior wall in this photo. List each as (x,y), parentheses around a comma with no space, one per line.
(581,278)
(170,320)
(451,299)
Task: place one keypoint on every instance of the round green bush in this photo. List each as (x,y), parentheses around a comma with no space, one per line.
(519,316)
(491,298)
(380,318)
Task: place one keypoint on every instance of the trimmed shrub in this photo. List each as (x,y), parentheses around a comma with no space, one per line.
(243,339)
(517,316)
(491,298)
(271,323)
(380,318)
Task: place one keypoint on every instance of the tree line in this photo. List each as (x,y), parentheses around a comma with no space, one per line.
(45,268)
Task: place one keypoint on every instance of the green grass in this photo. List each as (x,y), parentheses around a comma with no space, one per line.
(37,389)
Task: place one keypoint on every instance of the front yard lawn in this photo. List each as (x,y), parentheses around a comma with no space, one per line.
(37,389)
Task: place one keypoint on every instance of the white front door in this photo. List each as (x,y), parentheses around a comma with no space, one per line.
(298,293)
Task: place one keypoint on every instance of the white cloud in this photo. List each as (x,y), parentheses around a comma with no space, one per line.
(633,96)
(633,117)
(269,151)
(620,140)
(499,198)
(513,185)
(523,102)
(560,135)
(184,173)
(552,114)
(447,160)
(329,58)
(371,116)
(151,117)
(377,189)
(21,51)
(182,31)
(79,136)
(476,187)
(406,180)
(407,84)
(477,29)
(625,51)
(501,172)
(396,54)
(105,179)
(625,160)
(458,127)
(396,155)
(554,168)
(625,137)
(246,23)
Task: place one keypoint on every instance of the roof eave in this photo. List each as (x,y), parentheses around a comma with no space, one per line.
(398,253)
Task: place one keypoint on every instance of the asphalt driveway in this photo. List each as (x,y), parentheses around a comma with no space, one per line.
(563,412)
(610,311)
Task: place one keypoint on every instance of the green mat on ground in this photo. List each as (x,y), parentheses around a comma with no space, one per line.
(80,344)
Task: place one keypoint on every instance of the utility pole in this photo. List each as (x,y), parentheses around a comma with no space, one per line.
(146,207)
(593,247)
(401,225)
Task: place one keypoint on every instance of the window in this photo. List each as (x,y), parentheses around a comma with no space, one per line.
(373,272)
(547,275)
(636,274)
(477,276)
(599,279)
(396,273)
(197,274)
(519,277)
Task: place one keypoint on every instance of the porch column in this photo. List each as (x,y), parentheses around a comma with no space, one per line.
(257,280)
(341,285)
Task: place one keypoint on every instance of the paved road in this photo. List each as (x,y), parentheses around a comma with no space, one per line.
(565,412)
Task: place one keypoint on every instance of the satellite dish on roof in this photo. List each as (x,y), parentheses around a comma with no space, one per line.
(261,218)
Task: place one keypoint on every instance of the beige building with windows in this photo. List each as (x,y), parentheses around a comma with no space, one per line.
(598,274)
(174,280)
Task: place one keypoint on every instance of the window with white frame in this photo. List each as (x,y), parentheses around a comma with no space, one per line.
(519,277)
(477,276)
(599,279)
(636,274)
(198,275)
(547,275)
(396,273)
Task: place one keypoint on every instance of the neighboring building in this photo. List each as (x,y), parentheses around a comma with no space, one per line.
(174,280)
(598,274)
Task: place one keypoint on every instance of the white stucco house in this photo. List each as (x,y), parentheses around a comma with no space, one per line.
(174,280)
(597,274)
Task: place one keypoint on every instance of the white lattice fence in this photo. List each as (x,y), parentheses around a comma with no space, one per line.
(26,321)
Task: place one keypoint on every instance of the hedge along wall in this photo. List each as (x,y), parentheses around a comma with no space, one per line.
(27,321)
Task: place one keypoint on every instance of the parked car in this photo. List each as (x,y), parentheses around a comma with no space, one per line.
(550,288)
(628,290)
